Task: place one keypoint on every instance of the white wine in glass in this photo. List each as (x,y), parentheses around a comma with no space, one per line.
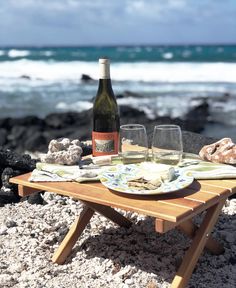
(133,144)
(167,145)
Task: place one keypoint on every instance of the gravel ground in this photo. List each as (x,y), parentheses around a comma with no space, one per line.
(105,255)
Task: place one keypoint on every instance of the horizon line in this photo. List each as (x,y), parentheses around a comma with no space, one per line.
(113,45)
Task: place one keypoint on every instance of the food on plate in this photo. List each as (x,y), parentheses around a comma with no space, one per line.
(143,184)
(151,180)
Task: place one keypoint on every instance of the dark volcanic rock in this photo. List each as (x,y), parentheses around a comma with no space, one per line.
(128,93)
(34,134)
(25,77)
(197,117)
(127,113)
(85,77)
(61,120)
(9,191)
(17,132)
(16,161)
(3,136)
(13,164)
(6,175)
(25,121)
(193,142)
(8,196)
(35,198)
(35,141)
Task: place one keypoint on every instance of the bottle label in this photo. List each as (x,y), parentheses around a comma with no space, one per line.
(104,143)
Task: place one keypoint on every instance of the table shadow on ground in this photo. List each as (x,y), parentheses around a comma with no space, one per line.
(142,248)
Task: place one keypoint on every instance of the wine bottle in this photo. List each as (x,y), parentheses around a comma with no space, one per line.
(106,120)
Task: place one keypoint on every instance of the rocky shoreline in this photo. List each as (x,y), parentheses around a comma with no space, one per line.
(32,133)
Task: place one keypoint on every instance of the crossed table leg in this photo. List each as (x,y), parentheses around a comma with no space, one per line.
(201,237)
(199,241)
(79,225)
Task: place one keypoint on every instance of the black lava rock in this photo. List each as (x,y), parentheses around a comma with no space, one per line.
(193,142)
(8,196)
(26,121)
(12,164)
(7,173)
(9,191)
(197,117)
(34,134)
(35,198)
(85,77)
(16,161)
(35,141)
(3,136)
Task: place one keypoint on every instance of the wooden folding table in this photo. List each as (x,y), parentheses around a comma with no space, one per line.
(169,210)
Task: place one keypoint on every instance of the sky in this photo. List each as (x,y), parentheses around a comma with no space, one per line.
(115,22)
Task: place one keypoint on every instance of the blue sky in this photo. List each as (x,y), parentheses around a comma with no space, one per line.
(77,22)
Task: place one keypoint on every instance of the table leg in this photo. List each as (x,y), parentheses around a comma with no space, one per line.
(190,229)
(79,225)
(192,255)
(71,237)
(109,213)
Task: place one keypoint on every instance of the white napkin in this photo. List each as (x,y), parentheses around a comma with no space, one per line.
(191,164)
(200,169)
(45,172)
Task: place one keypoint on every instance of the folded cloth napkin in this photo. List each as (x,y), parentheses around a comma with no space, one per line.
(191,164)
(45,172)
(200,169)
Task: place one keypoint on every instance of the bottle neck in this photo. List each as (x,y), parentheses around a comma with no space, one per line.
(104,85)
(104,70)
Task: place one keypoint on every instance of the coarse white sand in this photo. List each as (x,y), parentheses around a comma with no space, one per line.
(105,255)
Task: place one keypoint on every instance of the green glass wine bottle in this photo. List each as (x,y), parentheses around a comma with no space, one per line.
(106,120)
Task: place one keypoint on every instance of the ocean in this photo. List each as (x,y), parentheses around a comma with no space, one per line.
(169,80)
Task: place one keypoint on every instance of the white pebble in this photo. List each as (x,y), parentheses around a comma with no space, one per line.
(105,255)
(3,230)
(129,281)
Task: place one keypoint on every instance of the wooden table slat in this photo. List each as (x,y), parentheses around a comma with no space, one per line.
(101,195)
(229,184)
(211,189)
(182,202)
(201,197)
(172,207)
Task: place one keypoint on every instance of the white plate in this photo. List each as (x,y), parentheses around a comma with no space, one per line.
(116,178)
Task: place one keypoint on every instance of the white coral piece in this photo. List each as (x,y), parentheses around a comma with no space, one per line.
(63,151)
(222,151)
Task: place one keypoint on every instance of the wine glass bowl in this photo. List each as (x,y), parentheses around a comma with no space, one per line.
(167,144)
(133,143)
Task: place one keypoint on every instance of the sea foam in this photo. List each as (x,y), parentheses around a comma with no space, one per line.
(13,53)
(38,87)
(138,71)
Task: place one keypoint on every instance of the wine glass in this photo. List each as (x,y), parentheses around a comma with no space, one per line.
(133,143)
(167,144)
